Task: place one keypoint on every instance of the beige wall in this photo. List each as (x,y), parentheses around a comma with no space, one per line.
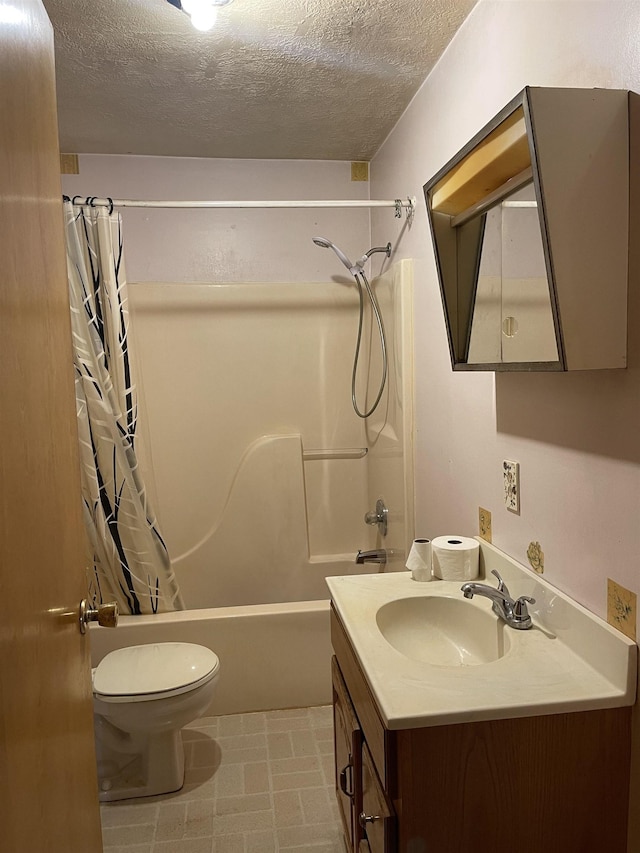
(576,436)
(229,245)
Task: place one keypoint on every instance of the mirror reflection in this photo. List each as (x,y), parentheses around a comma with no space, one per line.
(512,317)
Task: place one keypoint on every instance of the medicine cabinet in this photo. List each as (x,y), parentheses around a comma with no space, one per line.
(530,226)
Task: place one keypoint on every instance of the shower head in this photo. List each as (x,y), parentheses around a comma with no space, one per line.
(327,244)
(357,271)
(386,250)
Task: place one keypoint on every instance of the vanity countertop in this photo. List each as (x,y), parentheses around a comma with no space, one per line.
(570,660)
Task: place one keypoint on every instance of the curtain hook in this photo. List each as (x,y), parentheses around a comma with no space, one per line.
(110,200)
(73,200)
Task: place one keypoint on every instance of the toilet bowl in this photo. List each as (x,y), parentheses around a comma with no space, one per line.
(142,697)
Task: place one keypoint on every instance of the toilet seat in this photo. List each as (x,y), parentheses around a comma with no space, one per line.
(153,671)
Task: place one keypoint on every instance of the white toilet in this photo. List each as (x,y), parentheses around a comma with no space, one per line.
(142,698)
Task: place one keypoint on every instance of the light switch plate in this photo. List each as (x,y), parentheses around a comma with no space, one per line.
(511,474)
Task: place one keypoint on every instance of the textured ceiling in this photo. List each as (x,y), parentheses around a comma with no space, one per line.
(305,79)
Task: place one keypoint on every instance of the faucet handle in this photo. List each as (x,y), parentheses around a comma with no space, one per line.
(521,615)
(502,587)
(378,516)
(520,605)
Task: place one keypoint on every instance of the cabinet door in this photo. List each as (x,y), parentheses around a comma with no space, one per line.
(376,819)
(348,763)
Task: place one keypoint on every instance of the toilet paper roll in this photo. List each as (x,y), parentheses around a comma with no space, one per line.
(419,560)
(455,558)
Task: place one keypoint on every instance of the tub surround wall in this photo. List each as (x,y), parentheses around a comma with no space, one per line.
(389,430)
(257,375)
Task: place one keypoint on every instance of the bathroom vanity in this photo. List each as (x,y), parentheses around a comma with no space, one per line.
(524,747)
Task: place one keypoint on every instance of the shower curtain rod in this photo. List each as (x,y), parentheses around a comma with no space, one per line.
(399,204)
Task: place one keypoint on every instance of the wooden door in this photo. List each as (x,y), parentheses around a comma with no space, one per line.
(48,786)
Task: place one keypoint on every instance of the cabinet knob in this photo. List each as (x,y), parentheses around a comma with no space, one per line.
(364,819)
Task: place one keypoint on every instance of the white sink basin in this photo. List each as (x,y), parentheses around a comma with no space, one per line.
(443,631)
(432,657)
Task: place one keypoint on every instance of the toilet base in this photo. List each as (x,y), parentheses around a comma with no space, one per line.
(137,764)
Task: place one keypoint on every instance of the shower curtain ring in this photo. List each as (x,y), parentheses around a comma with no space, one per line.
(110,200)
(73,200)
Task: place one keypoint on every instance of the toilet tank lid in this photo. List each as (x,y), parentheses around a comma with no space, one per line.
(153,668)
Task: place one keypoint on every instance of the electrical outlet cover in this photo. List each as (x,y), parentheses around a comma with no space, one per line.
(484,524)
(621,608)
(360,171)
(511,473)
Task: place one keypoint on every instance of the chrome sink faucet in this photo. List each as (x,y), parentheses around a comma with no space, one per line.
(514,613)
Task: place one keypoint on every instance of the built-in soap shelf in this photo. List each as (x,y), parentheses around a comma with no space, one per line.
(338,453)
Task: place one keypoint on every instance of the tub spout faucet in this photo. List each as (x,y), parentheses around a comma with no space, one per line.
(378,555)
(514,613)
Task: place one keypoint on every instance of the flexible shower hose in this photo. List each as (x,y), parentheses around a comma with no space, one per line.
(383,345)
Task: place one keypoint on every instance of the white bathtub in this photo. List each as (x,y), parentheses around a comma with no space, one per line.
(271,655)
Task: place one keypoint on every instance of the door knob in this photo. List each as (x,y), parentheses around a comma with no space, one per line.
(364,819)
(104,614)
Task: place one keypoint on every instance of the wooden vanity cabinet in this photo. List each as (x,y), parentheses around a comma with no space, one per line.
(547,784)
(348,759)
(367,818)
(376,818)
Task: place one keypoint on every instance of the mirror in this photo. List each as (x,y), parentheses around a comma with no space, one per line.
(530,228)
(512,317)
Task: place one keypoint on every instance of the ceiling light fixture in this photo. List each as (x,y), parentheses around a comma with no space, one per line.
(203,13)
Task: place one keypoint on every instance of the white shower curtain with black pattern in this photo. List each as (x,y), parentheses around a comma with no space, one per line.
(130,562)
